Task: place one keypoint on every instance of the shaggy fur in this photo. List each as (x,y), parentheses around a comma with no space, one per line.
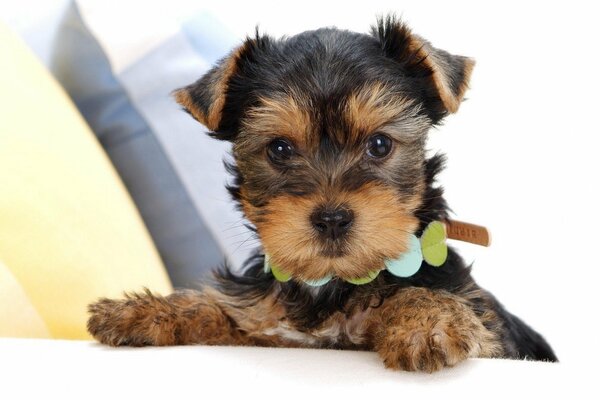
(302,114)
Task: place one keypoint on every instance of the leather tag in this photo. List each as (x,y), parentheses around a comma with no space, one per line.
(467,232)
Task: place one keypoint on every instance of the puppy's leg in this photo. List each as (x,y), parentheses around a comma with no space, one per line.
(184,317)
(423,329)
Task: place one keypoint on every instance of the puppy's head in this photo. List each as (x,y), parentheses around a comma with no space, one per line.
(328,130)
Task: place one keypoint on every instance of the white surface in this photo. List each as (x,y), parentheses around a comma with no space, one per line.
(523,154)
(61,369)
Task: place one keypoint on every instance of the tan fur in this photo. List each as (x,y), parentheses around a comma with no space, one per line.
(382,224)
(218,89)
(254,318)
(368,110)
(425,51)
(422,329)
(183,317)
(212,318)
(415,329)
(471,293)
(281,116)
(184,99)
(265,323)
(214,114)
(376,108)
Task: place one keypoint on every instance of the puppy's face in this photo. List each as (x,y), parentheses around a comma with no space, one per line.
(328,130)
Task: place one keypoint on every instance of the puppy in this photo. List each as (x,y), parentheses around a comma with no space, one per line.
(329,130)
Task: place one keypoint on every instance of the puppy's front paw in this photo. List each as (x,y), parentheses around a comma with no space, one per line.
(138,320)
(423,330)
(183,317)
(119,323)
(424,349)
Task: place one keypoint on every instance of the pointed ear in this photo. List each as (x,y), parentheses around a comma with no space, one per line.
(449,74)
(205,99)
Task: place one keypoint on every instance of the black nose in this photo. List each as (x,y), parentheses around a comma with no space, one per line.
(332,224)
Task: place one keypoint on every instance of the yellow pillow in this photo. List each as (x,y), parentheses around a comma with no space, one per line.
(18,317)
(69,232)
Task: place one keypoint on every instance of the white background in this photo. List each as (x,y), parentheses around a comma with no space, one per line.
(522,149)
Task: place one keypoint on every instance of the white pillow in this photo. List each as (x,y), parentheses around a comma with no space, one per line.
(120,73)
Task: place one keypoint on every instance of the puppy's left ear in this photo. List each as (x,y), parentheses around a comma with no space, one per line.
(205,99)
(447,74)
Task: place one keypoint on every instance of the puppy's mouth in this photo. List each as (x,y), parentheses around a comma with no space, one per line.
(333,250)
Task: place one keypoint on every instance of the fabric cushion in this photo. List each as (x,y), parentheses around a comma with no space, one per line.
(120,73)
(69,232)
(18,317)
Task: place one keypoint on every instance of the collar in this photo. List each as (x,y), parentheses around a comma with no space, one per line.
(430,248)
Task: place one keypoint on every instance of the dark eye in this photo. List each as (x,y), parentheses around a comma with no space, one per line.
(379,146)
(280,150)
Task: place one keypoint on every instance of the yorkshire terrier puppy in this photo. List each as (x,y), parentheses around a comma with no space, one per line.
(329,130)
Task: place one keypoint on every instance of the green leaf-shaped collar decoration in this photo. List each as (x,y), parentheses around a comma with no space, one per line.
(431,247)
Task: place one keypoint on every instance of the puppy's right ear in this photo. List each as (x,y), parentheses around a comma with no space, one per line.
(205,99)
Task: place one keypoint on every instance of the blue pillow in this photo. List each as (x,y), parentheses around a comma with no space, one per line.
(171,168)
